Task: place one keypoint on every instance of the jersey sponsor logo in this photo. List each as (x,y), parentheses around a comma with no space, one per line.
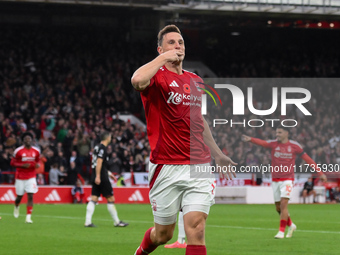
(174,84)
(177,98)
(8,196)
(53,196)
(136,196)
(283,155)
(27,159)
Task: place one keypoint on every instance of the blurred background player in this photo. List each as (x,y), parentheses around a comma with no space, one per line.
(308,189)
(77,193)
(101,183)
(174,125)
(283,154)
(180,243)
(25,160)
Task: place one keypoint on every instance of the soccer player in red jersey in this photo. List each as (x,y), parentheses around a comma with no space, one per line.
(180,139)
(25,160)
(283,154)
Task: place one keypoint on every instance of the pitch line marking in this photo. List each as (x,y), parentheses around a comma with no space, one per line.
(212,226)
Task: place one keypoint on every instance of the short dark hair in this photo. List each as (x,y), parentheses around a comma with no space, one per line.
(26,134)
(167,29)
(104,135)
(283,127)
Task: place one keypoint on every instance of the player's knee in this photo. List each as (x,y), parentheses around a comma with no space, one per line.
(277,207)
(196,229)
(163,238)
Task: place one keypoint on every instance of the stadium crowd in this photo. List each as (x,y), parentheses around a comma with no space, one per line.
(66,86)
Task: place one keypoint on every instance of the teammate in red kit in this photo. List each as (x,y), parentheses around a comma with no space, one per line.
(25,160)
(180,139)
(283,154)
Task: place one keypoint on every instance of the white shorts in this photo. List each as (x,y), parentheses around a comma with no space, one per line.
(172,188)
(282,189)
(28,186)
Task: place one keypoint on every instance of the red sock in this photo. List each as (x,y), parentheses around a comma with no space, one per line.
(77,196)
(283,224)
(29,209)
(289,222)
(147,246)
(196,250)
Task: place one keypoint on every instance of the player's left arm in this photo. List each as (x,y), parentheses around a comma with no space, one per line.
(37,158)
(98,169)
(112,176)
(312,163)
(216,152)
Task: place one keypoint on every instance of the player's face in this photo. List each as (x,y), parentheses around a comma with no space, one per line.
(281,134)
(27,141)
(173,41)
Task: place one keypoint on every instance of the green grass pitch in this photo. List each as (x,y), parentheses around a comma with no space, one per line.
(231,229)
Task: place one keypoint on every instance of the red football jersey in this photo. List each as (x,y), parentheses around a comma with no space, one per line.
(175,125)
(23,156)
(283,158)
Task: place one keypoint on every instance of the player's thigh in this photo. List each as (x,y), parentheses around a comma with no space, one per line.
(199,195)
(276,186)
(286,188)
(106,189)
(165,193)
(31,186)
(95,191)
(20,187)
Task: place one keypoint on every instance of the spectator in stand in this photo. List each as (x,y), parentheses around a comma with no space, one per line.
(40,171)
(5,166)
(83,148)
(114,164)
(77,193)
(40,179)
(72,174)
(62,178)
(74,158)
(334,195)
(308,190)
(54,174)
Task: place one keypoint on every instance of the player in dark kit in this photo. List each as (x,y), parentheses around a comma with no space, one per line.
(101,183)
